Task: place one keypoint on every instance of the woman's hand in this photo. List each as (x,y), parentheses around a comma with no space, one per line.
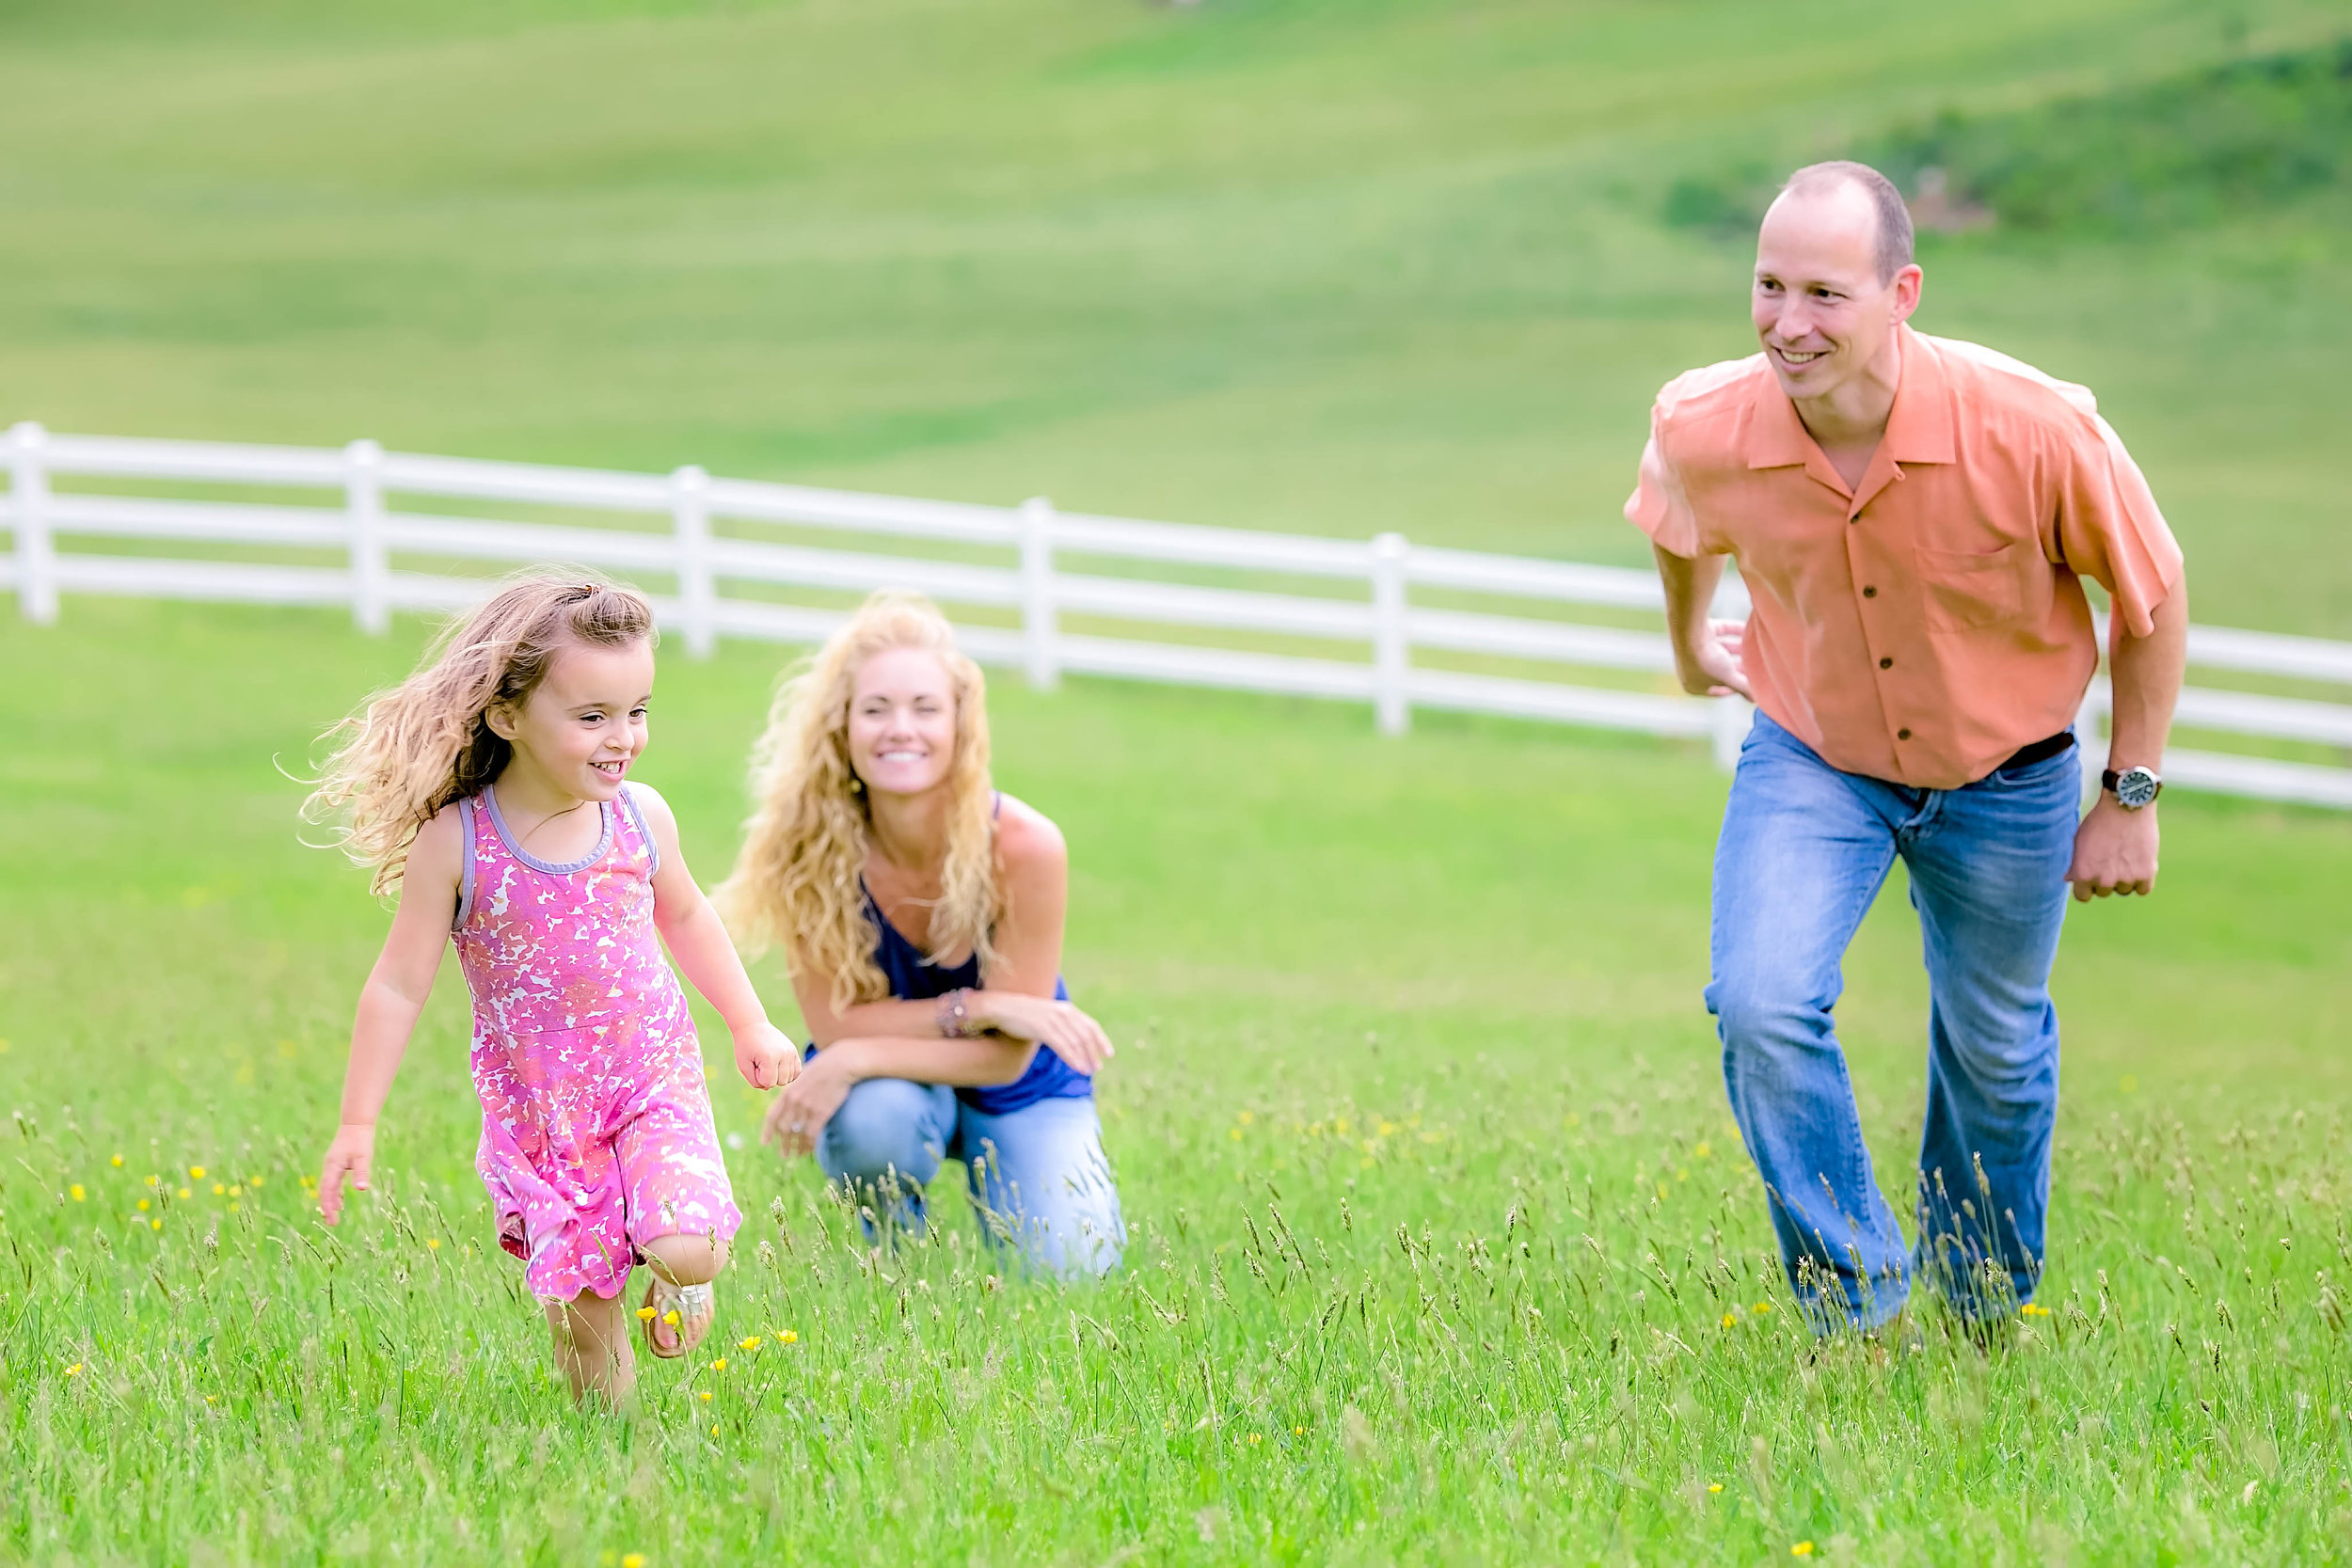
(1073,1035)
(797,1116)
(766,1056)
(352,1153)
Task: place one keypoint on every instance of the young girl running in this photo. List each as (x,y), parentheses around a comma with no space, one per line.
(490,789)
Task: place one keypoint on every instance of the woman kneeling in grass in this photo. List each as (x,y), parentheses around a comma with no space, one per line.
(490,789)
(922,915)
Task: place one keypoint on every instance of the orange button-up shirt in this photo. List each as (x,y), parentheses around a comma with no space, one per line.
(1927,623)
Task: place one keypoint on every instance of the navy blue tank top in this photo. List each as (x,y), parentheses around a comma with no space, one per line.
(913,980)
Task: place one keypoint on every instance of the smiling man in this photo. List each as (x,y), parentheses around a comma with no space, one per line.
(1912,517)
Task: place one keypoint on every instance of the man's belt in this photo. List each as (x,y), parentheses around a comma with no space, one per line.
(2041,750)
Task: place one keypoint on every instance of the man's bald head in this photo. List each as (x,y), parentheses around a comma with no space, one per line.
(1894,218)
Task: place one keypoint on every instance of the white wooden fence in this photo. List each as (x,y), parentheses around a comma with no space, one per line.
(1377,593)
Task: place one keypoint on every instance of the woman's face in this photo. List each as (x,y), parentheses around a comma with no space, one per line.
(902,722)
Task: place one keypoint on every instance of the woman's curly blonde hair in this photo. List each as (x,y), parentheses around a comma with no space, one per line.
(411,750)
(800,879)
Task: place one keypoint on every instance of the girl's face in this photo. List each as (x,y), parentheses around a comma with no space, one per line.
(584,725)
(902,722)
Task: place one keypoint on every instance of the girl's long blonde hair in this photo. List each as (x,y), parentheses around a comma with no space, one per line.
(800,879)
(411,750)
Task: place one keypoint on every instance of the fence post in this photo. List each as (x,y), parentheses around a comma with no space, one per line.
(690,512)
(363,505)
(1727,722)
(35,550)
(1040,629)
(1391,650)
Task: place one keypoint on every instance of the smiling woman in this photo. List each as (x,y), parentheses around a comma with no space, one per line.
(921,911)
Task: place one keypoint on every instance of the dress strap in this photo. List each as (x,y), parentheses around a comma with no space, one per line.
(465,877)
(637,819)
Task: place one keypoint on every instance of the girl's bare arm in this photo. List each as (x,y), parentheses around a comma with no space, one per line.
(394,994)
(706,954)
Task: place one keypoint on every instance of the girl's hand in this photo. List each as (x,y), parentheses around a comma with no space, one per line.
(797,1116)
(351,1154)
(766,1056)
(1073,1037)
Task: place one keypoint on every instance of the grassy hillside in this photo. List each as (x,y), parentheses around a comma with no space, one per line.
(1274,262)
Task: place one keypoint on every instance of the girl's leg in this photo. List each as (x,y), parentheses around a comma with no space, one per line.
(682,1259)
(681,1209)
(1043,1187)
(591,1348)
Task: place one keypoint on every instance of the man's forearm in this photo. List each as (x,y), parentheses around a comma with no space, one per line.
(2147,681)
(1690,586)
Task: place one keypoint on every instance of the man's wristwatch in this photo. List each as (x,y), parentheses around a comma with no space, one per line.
(2134,788)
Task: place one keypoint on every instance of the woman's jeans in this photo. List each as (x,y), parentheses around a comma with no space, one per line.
(1804,851)
(1038,1177)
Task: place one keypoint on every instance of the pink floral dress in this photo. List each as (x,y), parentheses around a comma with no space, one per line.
(597,1134)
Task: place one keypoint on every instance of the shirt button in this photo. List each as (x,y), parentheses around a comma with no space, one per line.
(1869,593)
(1903,734)
(1887,664)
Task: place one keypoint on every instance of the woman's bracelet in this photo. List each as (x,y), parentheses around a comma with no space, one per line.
(955,1016)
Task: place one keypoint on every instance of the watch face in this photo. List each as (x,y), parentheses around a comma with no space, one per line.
(2135,786)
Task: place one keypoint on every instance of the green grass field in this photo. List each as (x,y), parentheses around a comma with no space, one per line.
(1411,1028)
(1444,1250)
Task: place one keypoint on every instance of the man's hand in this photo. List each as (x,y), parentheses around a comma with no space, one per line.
(1714,667)
(351,1154)
(766,1057)
(2115,852)
(797,1116)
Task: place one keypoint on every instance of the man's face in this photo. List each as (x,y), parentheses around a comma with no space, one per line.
(1821,310)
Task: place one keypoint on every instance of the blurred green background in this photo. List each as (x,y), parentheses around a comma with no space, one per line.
(1281,263)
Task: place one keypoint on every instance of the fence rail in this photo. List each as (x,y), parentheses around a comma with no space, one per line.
(692,527)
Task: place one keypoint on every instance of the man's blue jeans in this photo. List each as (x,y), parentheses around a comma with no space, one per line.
(1803,852)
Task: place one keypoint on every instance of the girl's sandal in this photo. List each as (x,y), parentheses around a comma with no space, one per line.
(685,1310)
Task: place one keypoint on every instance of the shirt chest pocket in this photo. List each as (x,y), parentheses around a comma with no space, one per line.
(1964,589)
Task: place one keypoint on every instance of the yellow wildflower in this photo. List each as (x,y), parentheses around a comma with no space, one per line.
(156,1224)
(118,1162)
(235,1206)
(1246,1117)
(1714,1487)
(253,1180)
(1704,1149)
(195,1173)
(185,1192)
(218,1189)
(154,1182)
(671,1317)
(1730,1318)
(1763,1307)
(142,1206)
(76,1191)
(634,1559)
(750,1344)
(1802,1548)
(432,1243)
(705,1396)
(73,1370)
(236,1189)
(719,1365)
(644,1314)
(787,1338)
